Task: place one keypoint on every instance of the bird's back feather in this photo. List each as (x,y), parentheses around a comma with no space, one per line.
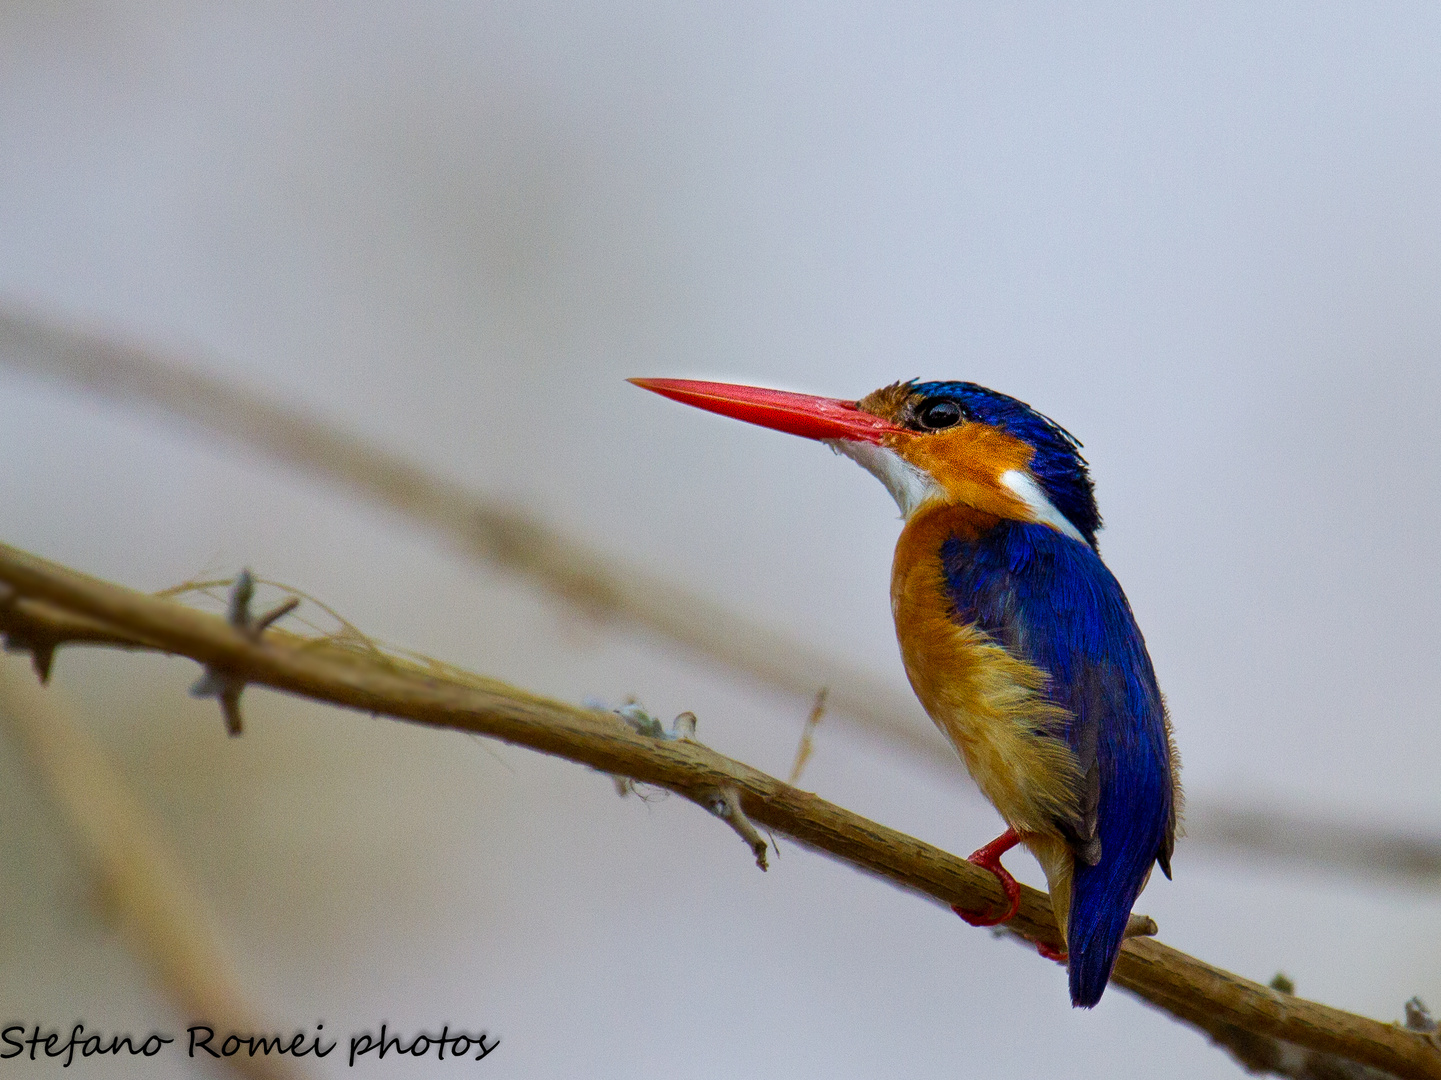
(1050,601)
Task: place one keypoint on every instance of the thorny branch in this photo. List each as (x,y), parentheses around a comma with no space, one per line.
(225,686)
(53,600)
(512,538)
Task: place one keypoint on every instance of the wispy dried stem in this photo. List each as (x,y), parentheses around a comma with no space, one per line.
(806,747)
(511,538)
(51,595)
(144,891)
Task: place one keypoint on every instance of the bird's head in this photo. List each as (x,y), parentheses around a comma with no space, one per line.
(930,443)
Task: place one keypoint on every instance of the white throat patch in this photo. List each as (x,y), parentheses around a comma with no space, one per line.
(908,485)
(912,487)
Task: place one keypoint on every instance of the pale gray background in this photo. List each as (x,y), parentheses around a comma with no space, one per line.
(1203,237)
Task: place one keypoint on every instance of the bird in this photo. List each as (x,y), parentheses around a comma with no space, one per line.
(1017,639)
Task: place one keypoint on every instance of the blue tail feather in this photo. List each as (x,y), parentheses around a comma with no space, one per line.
(1050,600)
(1102,895)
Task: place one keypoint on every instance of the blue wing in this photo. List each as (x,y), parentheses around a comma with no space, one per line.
(1051,601)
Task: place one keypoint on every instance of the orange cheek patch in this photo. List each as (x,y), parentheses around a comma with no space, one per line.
(967,462)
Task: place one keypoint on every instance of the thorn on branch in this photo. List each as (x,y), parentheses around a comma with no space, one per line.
(1418,1017)
(1420,1020)
(40,648)
(725,803)
(224,686)
(1141,926)
(42,658)
(1137,926)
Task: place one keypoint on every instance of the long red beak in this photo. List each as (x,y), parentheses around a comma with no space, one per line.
(797,414)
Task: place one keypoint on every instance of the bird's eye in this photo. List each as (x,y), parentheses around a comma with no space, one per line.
(938,413)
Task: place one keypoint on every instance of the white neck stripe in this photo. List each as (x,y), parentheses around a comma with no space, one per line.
(912,487)
(1031,493)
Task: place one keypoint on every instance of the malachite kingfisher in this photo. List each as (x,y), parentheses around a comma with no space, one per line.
(1015,636)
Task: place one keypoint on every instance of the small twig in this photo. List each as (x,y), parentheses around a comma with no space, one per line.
(225,686)
(725,803)
(807,744)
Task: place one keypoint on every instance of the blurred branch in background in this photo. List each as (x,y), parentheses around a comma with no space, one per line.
(143,890)
(1281,837)
(608,588)
(482,528)
(45,600)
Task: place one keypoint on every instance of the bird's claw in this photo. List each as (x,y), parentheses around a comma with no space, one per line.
(1060,956)
(989,858)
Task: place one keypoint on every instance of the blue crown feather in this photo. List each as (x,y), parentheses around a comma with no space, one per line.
(1058,465)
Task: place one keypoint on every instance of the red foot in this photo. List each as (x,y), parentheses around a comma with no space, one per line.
(989,857)
(1060,956)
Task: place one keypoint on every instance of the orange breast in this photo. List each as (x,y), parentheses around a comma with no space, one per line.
(990,704)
